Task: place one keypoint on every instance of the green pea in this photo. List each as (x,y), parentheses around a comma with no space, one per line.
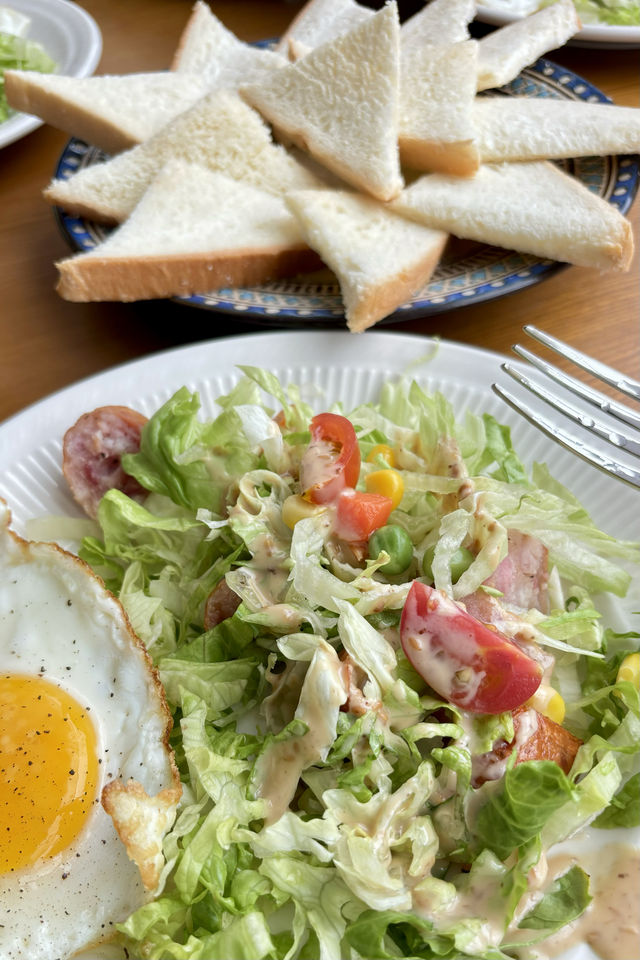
(395,541)
(460,561)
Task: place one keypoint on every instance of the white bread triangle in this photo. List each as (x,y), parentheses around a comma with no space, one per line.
(379,258)
(193,231)
(110,112)
(508,50)
(524,128)
(319,21)
(221,132)
(437,96)
(532,207)
(340,103)
(209,50)
(439,22)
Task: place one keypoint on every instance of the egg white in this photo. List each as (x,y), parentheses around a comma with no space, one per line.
(57,621)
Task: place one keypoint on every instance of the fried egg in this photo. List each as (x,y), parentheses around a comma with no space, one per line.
(88,784)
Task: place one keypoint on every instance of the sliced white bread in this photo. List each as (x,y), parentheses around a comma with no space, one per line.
(110,112)
(379,258)
(508,50)
(209,50)
(319,21)
(193,231)
(221,132)
(340,103)
(437,95)
(439,22)
(532,207)
(522,128)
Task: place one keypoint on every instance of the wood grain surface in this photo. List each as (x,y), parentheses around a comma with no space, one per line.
(47,343)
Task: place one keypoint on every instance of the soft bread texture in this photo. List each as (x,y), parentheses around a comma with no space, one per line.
(110,112)
(379,258)
(437,94)
(221,132)
(340,103)
(439,22)
(508,50)
(318,22)
(532,207)
(208,49)
(194,230)
(520,128)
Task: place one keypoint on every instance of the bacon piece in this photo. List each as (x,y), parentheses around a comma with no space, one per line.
(542,740)
(221,603)
(92,451)
(523,576)
(354,679)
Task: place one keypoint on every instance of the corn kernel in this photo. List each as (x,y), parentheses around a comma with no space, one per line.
(388,483)
(630,669)
(384,451)
(548,702)
(296,508)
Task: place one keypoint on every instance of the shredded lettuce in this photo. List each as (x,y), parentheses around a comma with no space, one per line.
(17,52)
(331,807)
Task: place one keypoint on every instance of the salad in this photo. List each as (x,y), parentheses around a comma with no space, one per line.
(392,687)
(618,13)
(17,52)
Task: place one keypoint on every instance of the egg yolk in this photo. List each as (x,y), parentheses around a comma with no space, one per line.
(48,770)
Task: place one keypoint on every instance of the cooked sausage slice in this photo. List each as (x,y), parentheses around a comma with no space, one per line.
(92,450)
(221,603)
(536,738)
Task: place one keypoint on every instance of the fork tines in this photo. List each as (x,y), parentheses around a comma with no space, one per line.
(627,440)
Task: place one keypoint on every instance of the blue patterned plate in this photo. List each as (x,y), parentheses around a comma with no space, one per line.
(468,272)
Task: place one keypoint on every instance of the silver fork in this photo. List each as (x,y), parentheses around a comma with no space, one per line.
(626,440)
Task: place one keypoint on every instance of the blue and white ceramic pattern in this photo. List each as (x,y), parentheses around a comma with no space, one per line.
(468,273)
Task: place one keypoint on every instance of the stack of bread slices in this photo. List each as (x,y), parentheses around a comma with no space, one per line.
(358,143)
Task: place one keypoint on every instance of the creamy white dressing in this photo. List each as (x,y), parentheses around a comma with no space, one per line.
(611,923)
(318,464)
(280,767)
(444,672)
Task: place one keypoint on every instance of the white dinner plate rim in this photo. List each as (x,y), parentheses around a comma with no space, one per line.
(596,34)
(81,60)
(438,364)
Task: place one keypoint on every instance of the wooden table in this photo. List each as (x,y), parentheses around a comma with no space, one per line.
(47,343)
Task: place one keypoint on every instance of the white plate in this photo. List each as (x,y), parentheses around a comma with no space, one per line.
(591,35)
(70,36)
(329,366)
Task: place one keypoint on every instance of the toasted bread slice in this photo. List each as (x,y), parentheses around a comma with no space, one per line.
(532,207)
(340,103)
(439,22)
(221,132)
(209,50)
(508,50)
(379,257)
(110,112)
(319,21)
(193,231)
(523,128)
(437,94)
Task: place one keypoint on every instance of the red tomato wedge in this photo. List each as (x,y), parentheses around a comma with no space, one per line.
(462,659)
(331,462)
(359,514)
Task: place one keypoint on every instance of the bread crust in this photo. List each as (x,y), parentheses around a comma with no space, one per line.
(384,297)
(28,97)
(460,158)
(89,278)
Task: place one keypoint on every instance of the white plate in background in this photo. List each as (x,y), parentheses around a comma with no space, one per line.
(69,35)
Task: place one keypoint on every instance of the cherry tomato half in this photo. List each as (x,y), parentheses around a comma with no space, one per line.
(331,462)
(463,660)
(359,514)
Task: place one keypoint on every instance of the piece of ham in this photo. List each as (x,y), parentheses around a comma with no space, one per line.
(523,576)
(92,452)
